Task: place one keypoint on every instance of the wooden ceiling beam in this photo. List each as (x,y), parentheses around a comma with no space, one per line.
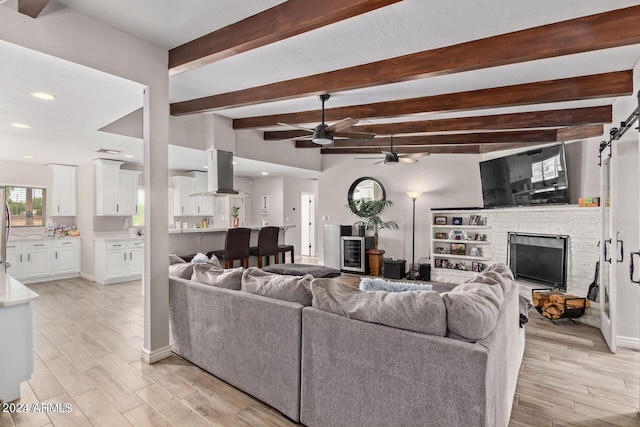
(280,22)
(536,136)
(453,149)
(32,8)
(585,34)
(528,120)
(607,85)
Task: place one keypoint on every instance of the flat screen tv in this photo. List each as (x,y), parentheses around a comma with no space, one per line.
(534,177)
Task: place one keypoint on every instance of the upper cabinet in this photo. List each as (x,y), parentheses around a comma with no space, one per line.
(183,203)
(116,189)
(64,190)
(204,204)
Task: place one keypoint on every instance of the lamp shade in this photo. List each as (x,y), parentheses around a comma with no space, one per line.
(414,194)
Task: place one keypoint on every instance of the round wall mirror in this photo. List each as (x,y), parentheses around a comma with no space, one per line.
(366,187)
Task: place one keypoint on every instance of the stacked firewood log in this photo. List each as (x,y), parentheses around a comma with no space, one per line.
(552,304)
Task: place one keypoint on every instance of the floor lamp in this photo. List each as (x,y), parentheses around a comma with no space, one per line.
(414,272)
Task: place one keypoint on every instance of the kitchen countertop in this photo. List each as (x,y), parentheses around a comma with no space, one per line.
(112,237)
(16,239)
(220,229)
(13,292)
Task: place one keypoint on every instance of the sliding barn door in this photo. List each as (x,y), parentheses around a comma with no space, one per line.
(608,242)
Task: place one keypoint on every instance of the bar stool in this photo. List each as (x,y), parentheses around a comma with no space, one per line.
(236,247)
(267,245)
(283,249)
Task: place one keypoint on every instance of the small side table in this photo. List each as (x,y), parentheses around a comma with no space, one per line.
(394,268)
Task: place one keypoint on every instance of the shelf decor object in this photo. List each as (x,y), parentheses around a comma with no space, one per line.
(414,271)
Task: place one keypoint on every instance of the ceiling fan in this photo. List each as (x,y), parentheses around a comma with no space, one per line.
(391,157)
(324,134)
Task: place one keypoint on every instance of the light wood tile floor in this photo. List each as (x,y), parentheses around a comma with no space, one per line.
(89,339)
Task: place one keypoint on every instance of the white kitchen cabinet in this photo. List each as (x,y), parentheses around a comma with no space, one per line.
(63,190)
(183,203)
(116,189)
(14,258)
(66,257)
(128,192)
(107,179)
(204,204)
(118,261)
(44,260)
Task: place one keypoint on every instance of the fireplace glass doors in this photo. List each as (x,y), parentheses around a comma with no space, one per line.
(539,258)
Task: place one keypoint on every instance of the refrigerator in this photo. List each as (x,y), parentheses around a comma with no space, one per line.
(5,228)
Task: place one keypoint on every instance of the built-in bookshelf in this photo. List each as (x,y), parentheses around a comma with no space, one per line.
(459,243)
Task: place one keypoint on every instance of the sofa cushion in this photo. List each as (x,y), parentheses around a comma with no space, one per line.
(473,309)
(216,276)
(175,259)
(419,311)
(182,270)
(278,286)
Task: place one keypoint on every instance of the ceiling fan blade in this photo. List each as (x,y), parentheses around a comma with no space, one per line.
(368,158)
(415,155)
(297,127)
(387,153)
(342,124)
(377,163)
(295,138)
(354,135)
(407,160)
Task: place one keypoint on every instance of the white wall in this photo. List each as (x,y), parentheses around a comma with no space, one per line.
(273,187)
(446,181)
(250,145)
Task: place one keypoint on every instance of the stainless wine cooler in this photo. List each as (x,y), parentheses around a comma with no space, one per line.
(353,253)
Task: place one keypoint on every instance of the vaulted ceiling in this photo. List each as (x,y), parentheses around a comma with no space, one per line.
(440,76)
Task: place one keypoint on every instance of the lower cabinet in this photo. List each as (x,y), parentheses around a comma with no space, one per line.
(118,261)
(44,260)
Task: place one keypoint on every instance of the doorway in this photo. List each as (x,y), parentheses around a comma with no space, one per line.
(307,227)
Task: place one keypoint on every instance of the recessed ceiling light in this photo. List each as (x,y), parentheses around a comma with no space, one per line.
(42,95)
(27,157)
(205,167)
(265,173)
(20,126)
(129,156)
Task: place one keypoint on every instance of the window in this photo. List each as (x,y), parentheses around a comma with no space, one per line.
(138,219)
(27,206)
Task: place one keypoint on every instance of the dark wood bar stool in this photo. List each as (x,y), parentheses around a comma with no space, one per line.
(267,245)
(236,247)
(283,249)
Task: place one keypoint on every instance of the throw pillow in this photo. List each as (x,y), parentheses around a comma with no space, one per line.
(419,311)
(215,276)
(182,270)
(473,309)
(370,284)
(215,261)
(200,258)
(175,259)
(278,286)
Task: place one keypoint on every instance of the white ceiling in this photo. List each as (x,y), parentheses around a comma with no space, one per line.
(66,129)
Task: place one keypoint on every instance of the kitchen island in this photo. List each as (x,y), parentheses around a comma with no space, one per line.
(193,240)
(17,333)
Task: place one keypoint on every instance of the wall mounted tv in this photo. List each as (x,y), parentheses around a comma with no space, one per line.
(534,177)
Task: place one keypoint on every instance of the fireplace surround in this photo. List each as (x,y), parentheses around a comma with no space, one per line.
(539,258)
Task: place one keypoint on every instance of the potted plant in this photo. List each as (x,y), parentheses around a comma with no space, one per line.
(234,215)
(370,212)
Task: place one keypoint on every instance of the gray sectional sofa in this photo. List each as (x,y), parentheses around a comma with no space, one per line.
(338,362)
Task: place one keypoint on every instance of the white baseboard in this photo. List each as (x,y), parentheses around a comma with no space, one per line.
(88,277)
(628,342)
(151,357)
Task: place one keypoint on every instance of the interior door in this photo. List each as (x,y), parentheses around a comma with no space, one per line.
(307,228)
(608,246)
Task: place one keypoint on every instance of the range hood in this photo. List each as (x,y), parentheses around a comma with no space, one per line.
(220,174)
